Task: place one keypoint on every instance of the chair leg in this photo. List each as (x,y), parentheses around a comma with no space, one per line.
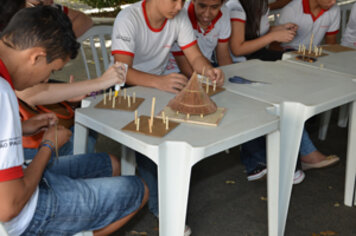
(343,116)
(324,124)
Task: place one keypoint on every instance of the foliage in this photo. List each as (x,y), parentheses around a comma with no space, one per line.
(107,3)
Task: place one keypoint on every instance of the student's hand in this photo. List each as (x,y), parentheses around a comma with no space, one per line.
(173,82)
(217,75)
(283,36)
(116,73)
(38,123)
(290,26)
(63,135)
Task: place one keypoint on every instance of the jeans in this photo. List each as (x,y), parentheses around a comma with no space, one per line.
(147,169)
(78,193)
(67,148)
(253,153)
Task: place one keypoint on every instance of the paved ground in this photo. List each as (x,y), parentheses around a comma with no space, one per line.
(219,208)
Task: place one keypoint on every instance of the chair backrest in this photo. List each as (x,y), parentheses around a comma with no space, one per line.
(97,39)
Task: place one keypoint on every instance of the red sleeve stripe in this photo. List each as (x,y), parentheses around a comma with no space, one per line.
(223,40)
(11,173)
(189,45)
(122,52)
(65,10)
(332,33)
(178,53)
(237,19)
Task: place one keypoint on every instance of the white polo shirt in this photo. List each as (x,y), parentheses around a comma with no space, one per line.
(349,36)
(298,12)
(134,36)
(237,13)
(219,31)
(11,150)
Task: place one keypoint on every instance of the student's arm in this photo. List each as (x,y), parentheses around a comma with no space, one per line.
(14,194)
(184,65)
(330,39)
(278,4)
(240,47)
(80,22)
(223,54)
(49,93)
(173,82)
(199,62)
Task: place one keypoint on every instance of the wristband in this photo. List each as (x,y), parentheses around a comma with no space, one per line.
(49,142)
(47,145)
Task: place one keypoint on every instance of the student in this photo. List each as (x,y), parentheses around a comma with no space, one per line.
(51,93)
(143,35)
(251,31)
(349,36)
(211,24)
(36,200)
(320,18)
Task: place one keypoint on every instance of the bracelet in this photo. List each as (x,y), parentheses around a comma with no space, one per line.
(47,145)
(49,142)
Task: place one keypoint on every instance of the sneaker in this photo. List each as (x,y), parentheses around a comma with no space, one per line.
(257,173)
(187,231)
(298,177)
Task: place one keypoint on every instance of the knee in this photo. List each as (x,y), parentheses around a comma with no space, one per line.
(116,165)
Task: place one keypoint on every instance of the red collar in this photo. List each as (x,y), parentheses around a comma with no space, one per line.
(306,9)
(194,21)
(148,22)
(5,74)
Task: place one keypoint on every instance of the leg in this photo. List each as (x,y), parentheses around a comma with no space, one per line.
(253,153)
(147,169)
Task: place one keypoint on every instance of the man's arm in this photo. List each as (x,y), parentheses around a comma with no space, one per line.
(223,54)
(173,82)
(330,39)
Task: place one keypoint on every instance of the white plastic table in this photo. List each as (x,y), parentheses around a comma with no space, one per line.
(187,144)
(299,92)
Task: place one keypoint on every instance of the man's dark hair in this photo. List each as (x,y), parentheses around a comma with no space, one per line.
(45,27)
(8,8)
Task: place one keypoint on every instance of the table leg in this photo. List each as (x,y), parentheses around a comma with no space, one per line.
(351,159)
(128,161)
(80,138)
(273,160)
(293,116)
(174,170)
(324,124)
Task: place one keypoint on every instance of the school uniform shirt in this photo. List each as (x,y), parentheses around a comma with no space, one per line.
(349,36)
(327,22)
(237,13)
(11,151)
(219,31)
(134,36)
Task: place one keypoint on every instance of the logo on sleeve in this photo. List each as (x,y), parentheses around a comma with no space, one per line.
(7,143)
(123,38)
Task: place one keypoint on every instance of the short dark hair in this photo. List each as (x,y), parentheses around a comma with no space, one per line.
(45,27)
(8,8)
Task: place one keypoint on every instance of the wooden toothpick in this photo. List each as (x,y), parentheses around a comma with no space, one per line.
(320,51)
(311,43)
(188,115)
(150,124)
(300,48)
(136,117)
(125,94)
(113,102)
(153,108)
(163,117)
(110,94)
(134,97)
(207,85)
(214,85)
(201,115)
(167,123)
(128,101)
(104,97)
(138,124)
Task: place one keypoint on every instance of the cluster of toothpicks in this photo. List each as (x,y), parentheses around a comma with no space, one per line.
(317,50)
(113,98)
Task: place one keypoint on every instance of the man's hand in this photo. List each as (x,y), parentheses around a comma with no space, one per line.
(173,82)
(116,73)
(38,123)
(217,75)
(63,135)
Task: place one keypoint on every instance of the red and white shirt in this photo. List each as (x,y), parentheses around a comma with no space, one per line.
(349,36)
(134,36)
(237,13)
(327,22)
(218,32)
(11,151)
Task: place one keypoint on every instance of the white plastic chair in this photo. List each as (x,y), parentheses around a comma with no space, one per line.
(99,39)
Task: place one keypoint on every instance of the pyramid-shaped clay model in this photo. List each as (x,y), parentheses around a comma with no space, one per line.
(193,99)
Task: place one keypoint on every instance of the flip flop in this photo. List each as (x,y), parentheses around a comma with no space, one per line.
(330,160)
